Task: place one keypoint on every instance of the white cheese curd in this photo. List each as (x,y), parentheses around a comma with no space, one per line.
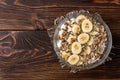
(60,33)
(72,20)
(59,43)
(69,29)
(63,26)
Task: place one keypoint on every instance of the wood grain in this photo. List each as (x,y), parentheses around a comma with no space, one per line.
(26,52)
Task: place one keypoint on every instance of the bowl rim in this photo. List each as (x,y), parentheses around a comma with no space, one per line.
(59,21)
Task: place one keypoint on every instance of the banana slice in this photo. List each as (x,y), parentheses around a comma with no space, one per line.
(65,55)
(90,42)
(76,28)
(76,48)
(87,25)
(80,18)
(87,50)
(83,38)
(73,59)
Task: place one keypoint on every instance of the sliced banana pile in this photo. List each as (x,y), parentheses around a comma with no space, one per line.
(81,40)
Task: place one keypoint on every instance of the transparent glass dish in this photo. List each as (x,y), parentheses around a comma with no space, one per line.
(53,33)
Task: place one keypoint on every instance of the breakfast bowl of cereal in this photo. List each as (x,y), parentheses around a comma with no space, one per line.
(81,40)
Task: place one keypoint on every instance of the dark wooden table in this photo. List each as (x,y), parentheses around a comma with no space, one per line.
(26,54)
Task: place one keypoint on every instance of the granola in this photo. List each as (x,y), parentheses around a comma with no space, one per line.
(81,40)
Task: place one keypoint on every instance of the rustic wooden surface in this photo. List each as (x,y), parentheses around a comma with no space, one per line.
(26,54)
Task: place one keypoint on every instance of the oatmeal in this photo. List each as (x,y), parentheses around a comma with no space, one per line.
(81,40)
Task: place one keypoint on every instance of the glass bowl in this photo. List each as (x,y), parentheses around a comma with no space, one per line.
(60,20)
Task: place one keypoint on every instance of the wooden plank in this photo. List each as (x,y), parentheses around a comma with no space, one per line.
(30,55)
